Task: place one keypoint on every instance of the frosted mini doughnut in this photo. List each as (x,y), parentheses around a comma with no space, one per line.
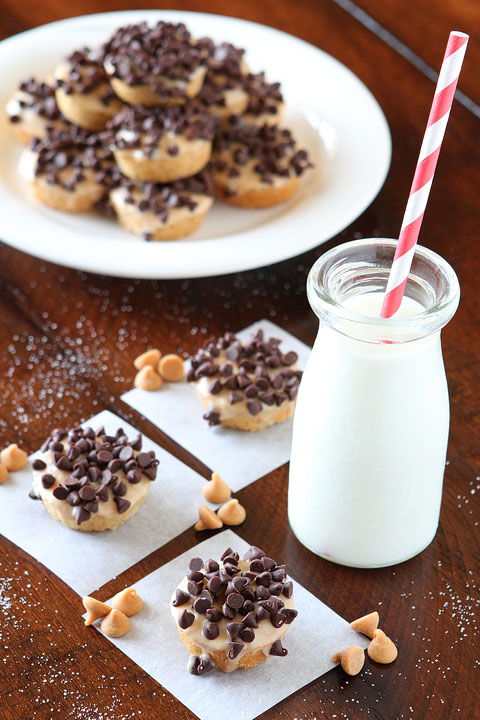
(68,170)
(89,480)
(265,101)
(256,166)
(156,65)
(223,92)
(233,613)
(162,144)
(163,212)
(32,110)
(245,386)
(83,91)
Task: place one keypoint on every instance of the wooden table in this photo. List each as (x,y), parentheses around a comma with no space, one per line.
(67,340)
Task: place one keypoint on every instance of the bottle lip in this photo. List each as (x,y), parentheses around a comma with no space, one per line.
(366,327)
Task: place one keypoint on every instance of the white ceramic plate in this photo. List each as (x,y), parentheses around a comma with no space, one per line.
(331,112)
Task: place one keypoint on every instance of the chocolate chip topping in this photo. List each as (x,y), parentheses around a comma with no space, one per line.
(156,56)
(240,596)
(39,97)
(161,199)
(138,126)
(263,97)
(87,457)
(263,375)
(85,74)
(75,150)
(273,149)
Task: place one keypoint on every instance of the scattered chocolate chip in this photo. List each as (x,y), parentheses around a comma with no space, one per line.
(194,588)
(60,492)
(275,588)
(254,407)
(48,480)
(213,615)
(181,598)
(289,615)
(192,664)
(82,515)
(210,630)
(38,464)
(196,563)
(287,589)
(277,619)
(186,619)
(205,665)
(247,634)
(122,504)
(87,492)
(278,650)
(234,650)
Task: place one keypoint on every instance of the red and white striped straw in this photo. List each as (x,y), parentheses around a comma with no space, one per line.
(424,172)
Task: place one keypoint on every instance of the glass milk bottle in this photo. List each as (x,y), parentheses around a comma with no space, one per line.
(372,416)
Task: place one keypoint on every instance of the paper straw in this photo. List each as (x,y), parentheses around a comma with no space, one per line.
(424,172)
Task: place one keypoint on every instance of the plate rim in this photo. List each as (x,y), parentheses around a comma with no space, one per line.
(154,271)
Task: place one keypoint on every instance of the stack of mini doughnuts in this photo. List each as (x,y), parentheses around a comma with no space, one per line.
(155,124)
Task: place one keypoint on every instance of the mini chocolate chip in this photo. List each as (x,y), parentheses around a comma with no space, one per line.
(60,492)
(102,493)
(87,492)
(39,464)
(289,359)
(48,481)
(195,575)
(228,612)
(122,504)
(119,488)
(288,589)
(253,553)
(126,454)
(247,634)
(180,598)
(194,588)
(212,417)
(91,506)
(261,593)
(210,630)
(234,650)
(272,605)
(247,607)
(186,619)
(262,614)
(212,566)
(289,614)
(277,619)
(201,605)
(275,588)
(63,463)
(213,614)
(278,650)
(264,579)
(115,465)
(268,563)
(254,407)
(196,563)
(144,459)
(104,457)
(234,397)
(74,498)
(233,629)
(82,515)
(235,600)
(192,664)
(278,574)
(250,620)
(205,665)
(134,476)
(226,553)
(214,584)
(256,566)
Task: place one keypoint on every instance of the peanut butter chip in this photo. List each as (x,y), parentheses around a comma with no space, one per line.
(367,624)
(150,357)
(216,490)
(115,624)
(351,659)
(381,649)
(13,458)
(170,367)
(232,513)
(95,609)
(208,519)
(3,473)
(148,379)
(127,601)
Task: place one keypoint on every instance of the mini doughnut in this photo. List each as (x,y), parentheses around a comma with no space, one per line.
(233,613)
(13,458)
(95,609)
(68,170)
(208,520)
(163,212)
(351,659)
(366,624)
(83,91)
(256,166)
(162,144)
(92,481)
(32,110)
(381,649)
(115,624)
(232,513)
(149,357)
(148,379)
(128,601)
(170,367)
(156,65)
(216,490)
(3,473)
(265,101)
(245,385)
(223,92)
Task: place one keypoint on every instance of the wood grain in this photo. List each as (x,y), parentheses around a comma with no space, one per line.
(67,340)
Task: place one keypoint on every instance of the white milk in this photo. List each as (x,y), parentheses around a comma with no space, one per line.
(369,444)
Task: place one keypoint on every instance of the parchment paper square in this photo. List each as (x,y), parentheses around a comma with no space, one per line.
(240,457)
(153,643)
(86,561)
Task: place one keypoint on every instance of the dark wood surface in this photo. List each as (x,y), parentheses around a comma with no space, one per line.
(67,340)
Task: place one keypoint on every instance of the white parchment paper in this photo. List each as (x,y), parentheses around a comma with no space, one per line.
(240,457)
(154,644)
(86,561)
